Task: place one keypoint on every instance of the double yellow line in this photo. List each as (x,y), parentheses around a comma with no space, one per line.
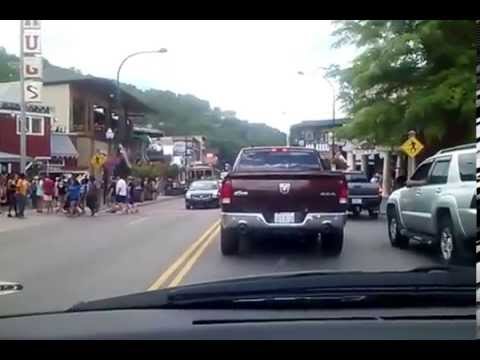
(186,261)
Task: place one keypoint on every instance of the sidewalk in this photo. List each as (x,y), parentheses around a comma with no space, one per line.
(29,212)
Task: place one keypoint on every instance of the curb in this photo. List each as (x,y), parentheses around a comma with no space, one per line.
(146,203)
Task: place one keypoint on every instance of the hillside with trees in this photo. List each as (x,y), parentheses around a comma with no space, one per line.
(179,114)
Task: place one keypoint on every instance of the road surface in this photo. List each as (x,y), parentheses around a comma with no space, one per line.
(61,261)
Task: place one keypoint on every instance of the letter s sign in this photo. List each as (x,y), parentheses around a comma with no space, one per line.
(33,91)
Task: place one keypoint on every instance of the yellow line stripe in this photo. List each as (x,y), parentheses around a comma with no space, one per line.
(193,259)
(174,267)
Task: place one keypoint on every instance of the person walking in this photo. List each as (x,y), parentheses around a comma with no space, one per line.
(55,192)
(62,194)
(92,195)
(121,191)
(83,194)
(132,207)
(3,191)
(112,193)
(73,196)
(39,194)
(11,189)
(48,193)
(33,192)
(22,187)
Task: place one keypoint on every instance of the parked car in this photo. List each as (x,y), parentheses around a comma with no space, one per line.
(283,190)
(362,194)
(202,193)
(438,205)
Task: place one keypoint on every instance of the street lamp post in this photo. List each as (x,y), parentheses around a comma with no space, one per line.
(333,110)
(119,104)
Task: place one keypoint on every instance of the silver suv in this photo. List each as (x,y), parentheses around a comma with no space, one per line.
(438,205)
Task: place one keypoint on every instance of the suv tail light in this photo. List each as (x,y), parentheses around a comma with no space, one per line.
(226,192)
(343,193)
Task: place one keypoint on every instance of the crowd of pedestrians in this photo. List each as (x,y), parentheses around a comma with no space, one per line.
(74,194)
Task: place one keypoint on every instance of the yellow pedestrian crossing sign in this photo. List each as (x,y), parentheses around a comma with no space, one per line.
(97,160)
(412,147)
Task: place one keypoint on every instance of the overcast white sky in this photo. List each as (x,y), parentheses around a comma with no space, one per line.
(246,66)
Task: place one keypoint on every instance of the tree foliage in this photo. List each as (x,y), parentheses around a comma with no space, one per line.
(8,66)
(410,74)
(151,171)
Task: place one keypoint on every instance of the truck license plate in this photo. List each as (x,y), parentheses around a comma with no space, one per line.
(284,218)
(356,201)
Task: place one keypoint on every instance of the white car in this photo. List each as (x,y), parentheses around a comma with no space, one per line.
(203,193)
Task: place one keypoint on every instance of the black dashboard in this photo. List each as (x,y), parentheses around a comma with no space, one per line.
(348,324)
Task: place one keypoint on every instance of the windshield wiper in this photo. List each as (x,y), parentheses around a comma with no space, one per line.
(433,286)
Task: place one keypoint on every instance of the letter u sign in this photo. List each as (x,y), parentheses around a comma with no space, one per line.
(31,42)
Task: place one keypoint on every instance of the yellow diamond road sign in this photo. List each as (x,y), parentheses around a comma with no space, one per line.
(412,147)
(97,160)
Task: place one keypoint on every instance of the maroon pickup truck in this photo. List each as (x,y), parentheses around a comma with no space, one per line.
(284,190)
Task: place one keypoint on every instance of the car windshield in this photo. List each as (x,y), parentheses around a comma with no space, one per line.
(204,186)
(148,155)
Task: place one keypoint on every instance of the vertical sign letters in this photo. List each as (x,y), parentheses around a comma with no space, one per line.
(32,61)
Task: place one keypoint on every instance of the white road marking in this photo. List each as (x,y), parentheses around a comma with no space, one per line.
(138,221)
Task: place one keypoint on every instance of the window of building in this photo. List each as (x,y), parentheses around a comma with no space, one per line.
(78,115)
(34,125)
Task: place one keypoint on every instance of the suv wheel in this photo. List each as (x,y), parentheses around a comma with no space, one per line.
(228,242)
(188,207)
(373,214)
(396,239)
(332,243)
(450,251)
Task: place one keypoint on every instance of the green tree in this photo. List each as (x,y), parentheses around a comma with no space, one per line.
(8,66)
(410,74)
(173,171)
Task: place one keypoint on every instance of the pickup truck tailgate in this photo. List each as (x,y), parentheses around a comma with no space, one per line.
(301,193)
(363,189)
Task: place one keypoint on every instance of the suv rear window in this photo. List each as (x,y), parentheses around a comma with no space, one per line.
(278,159)
(467,166)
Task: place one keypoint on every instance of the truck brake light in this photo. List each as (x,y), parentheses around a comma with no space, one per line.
(343,193)
(226,192)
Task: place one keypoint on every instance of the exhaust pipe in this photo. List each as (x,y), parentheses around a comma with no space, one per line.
(242,228)
(326,227)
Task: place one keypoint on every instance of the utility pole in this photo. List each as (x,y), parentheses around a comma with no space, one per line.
(23,119)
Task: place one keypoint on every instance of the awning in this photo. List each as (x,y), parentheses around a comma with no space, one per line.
(62,146)
(8,157)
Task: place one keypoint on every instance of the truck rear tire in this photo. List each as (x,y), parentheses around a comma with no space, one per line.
(373,214)
(332,243)
(228,242)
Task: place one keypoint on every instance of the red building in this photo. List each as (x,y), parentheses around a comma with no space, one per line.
(38,135)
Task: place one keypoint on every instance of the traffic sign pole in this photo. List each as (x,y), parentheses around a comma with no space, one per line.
(411,159)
